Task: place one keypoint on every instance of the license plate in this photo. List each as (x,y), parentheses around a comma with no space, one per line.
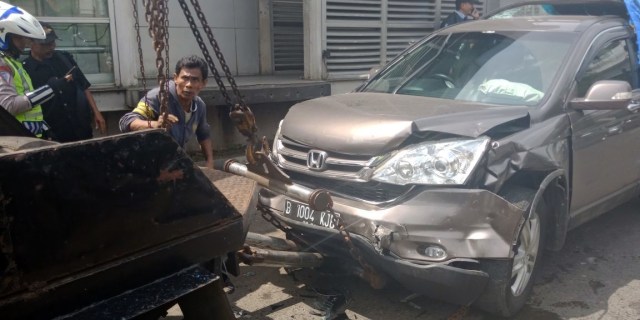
(303,213)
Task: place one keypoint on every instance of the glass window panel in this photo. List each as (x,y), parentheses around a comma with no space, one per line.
(65,8)
(90,45)
(612,62)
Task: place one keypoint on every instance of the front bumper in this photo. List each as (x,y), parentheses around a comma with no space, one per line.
(471,225)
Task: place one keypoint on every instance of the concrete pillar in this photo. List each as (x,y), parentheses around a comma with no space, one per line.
(265,24)
(313,13)
(127,47)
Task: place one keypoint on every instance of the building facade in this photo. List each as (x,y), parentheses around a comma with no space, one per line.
(286,42)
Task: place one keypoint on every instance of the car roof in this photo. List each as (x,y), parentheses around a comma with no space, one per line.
(573,7)
(537,23)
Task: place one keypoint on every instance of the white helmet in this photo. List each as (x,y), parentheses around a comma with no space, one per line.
(17,21)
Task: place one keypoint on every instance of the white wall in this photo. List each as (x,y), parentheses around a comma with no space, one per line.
(234,24)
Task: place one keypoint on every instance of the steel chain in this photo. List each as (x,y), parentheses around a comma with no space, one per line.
(166,54)
(156,15)
(218,52)
(139,40)
(241,115)
(269,217)
(353,249)
(205,51)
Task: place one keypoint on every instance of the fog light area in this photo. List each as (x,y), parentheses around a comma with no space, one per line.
(432,252)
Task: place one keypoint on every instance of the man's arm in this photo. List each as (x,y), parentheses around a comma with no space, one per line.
(141,124)
(97,116)
(207,150)
(16,103)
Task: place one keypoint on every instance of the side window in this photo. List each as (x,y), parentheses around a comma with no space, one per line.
(612,62)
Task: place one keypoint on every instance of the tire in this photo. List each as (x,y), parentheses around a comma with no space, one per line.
(511,281)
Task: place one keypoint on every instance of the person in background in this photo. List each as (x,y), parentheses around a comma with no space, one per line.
(187,114)
(17,96)
(465,11)
(70,114)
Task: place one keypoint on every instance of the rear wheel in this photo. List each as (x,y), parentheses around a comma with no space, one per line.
(510,283)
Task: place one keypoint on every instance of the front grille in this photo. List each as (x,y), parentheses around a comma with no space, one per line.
(345,175)
(342,166)
(371,191)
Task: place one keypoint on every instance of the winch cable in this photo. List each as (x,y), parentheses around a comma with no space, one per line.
(241,114)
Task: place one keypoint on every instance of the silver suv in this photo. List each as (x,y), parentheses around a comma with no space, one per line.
(467,155)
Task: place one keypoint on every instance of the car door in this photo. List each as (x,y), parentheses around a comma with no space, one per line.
(606,155)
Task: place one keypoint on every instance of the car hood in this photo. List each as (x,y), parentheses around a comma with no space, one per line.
(375,123)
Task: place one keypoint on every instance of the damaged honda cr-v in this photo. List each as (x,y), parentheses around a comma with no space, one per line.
(454,167)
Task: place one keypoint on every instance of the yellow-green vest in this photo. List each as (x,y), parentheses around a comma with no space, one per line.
(22,82)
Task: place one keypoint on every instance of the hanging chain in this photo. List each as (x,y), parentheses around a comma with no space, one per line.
(205,51)
(166,54)
(139,41)
(156,15)
(241,115)
(218,52)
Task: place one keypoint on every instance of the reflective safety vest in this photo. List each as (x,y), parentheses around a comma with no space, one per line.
(31,119)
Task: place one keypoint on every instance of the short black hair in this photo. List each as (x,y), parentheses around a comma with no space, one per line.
(460,2)
(191,62)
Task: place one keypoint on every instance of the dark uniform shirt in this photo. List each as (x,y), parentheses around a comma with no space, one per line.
(453,18)
(67,114)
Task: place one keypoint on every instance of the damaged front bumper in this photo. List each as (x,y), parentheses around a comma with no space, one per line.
(462,226)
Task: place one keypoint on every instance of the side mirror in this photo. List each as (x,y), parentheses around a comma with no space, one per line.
(608,95)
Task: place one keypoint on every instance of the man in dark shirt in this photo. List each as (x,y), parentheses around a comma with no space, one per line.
(465,11)
(69,113)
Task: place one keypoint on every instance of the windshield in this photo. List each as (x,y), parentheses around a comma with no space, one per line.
(509,68)
(558,8)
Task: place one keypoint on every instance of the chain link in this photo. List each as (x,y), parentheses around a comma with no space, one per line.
(139,40)
(269,217)
(166,55)
(240,113)
(156,14)
(370,273)
(218,52)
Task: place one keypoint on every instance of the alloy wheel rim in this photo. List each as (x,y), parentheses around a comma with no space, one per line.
(526,255)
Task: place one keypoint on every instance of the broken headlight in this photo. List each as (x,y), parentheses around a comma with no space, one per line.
(444,162)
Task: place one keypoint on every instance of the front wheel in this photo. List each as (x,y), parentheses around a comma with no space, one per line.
(511,282)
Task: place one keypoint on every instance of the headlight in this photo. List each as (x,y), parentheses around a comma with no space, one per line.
(445,162)
(277,144)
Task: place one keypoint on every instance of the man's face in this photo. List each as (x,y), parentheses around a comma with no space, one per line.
(20,42)
(189,82)
(467,8)
(43,50)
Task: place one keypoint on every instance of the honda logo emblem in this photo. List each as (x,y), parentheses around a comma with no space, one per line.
(317,160)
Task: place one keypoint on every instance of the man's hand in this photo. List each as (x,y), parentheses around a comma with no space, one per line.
(171,120)
(100,123)
(475,14)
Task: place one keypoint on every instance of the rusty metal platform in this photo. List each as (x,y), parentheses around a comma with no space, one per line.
(240,191)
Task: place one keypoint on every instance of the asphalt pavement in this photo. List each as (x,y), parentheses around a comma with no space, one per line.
(595,276)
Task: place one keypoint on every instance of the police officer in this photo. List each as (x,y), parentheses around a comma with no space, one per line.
(17,28)
(465,11)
